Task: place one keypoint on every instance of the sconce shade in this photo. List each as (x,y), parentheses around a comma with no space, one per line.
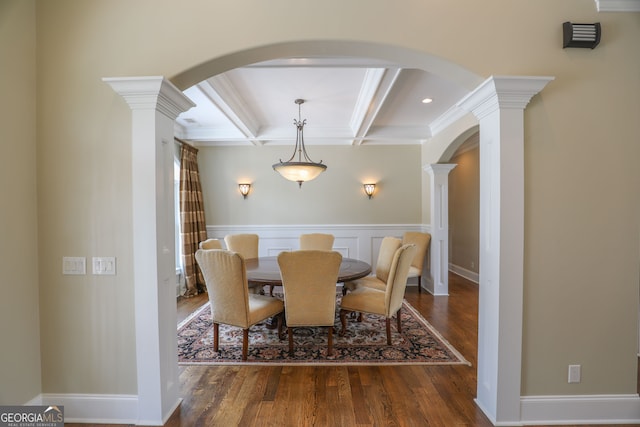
(369,189)
(244,189)
(580,35)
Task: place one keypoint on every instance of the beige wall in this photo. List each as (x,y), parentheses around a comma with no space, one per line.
(464,209)
(581,180)
(335,197)
(19,305)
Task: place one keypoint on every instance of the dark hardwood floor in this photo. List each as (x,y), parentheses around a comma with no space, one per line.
(346,395)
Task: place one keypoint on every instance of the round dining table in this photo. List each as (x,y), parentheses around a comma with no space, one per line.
(265,270)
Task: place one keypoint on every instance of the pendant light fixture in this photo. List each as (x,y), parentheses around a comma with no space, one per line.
(303,168)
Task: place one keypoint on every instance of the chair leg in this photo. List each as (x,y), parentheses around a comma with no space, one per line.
(216,330)
(419,284)
(290,332)
(271,290)
(343,321)
(280,316)
(330,342)
(398,318)
(388,322)
(245,343)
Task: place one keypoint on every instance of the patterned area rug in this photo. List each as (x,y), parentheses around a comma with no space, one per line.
(364,343)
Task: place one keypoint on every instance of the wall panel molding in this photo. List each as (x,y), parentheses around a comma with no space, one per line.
(360,241)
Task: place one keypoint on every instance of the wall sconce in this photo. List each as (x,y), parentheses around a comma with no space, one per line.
(369,189)
(244,189)
(580,35)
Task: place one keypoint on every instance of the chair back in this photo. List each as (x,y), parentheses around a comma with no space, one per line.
(211,244)
(397,282)
(226,280)
(421,240)
(309,282)
(244,244)
(388,248)
(316,241)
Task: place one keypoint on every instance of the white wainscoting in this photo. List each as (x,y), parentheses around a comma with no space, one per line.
(359,241)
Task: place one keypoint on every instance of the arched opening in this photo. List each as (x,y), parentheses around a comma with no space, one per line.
(500,318)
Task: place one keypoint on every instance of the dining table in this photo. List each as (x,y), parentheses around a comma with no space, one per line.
(265,270)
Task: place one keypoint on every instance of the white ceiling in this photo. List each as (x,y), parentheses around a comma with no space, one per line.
(348,101)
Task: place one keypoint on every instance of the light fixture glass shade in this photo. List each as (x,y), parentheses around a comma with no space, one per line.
(299,171)
(369,189)
(244,189)
(304,169)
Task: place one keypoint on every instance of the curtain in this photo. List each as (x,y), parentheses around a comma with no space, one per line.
(192,221)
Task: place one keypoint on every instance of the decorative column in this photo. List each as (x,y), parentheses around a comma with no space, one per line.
(155,103)
(439,283)
(499,105)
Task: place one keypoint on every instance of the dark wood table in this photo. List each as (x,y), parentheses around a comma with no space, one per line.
(265,270)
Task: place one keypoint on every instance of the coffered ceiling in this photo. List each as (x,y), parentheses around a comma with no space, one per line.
(348,101)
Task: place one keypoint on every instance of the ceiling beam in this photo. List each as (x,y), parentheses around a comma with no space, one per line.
(375,89)
(224,96)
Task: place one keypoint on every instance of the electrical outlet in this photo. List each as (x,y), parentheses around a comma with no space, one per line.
(574,374)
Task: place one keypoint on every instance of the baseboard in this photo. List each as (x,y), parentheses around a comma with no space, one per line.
(581,409)
(93,408)
(463,272)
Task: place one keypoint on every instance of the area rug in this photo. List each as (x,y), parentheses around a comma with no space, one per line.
(365,343)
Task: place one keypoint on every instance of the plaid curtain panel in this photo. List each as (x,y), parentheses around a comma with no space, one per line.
(192,221)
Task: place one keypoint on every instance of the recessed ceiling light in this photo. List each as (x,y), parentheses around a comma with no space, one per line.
(427,101)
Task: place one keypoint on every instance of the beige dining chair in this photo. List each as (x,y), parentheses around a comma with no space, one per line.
(309,282)
(421,240)
(388,248)
(210,244)
(316,241)
(387,302)
(244,244)
(247,246)
(225,276)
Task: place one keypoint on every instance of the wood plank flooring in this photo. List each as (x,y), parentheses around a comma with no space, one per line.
(344,396)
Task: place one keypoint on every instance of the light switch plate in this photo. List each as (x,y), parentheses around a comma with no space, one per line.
(104,265)
(74,265)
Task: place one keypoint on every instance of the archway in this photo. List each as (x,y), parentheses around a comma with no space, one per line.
(498,104)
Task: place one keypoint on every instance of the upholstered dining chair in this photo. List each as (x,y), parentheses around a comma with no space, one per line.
(421,240)
(211,244)
(385,302)
(247,246)
(225,276)
(316,241)
(309,282)
(388,248)
(244,244)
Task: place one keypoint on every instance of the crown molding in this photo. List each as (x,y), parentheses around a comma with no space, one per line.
(502,92)
(154,92)
(618,5)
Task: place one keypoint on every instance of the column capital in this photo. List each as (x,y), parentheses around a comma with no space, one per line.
(151,93)
(502,92)
(435,169)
